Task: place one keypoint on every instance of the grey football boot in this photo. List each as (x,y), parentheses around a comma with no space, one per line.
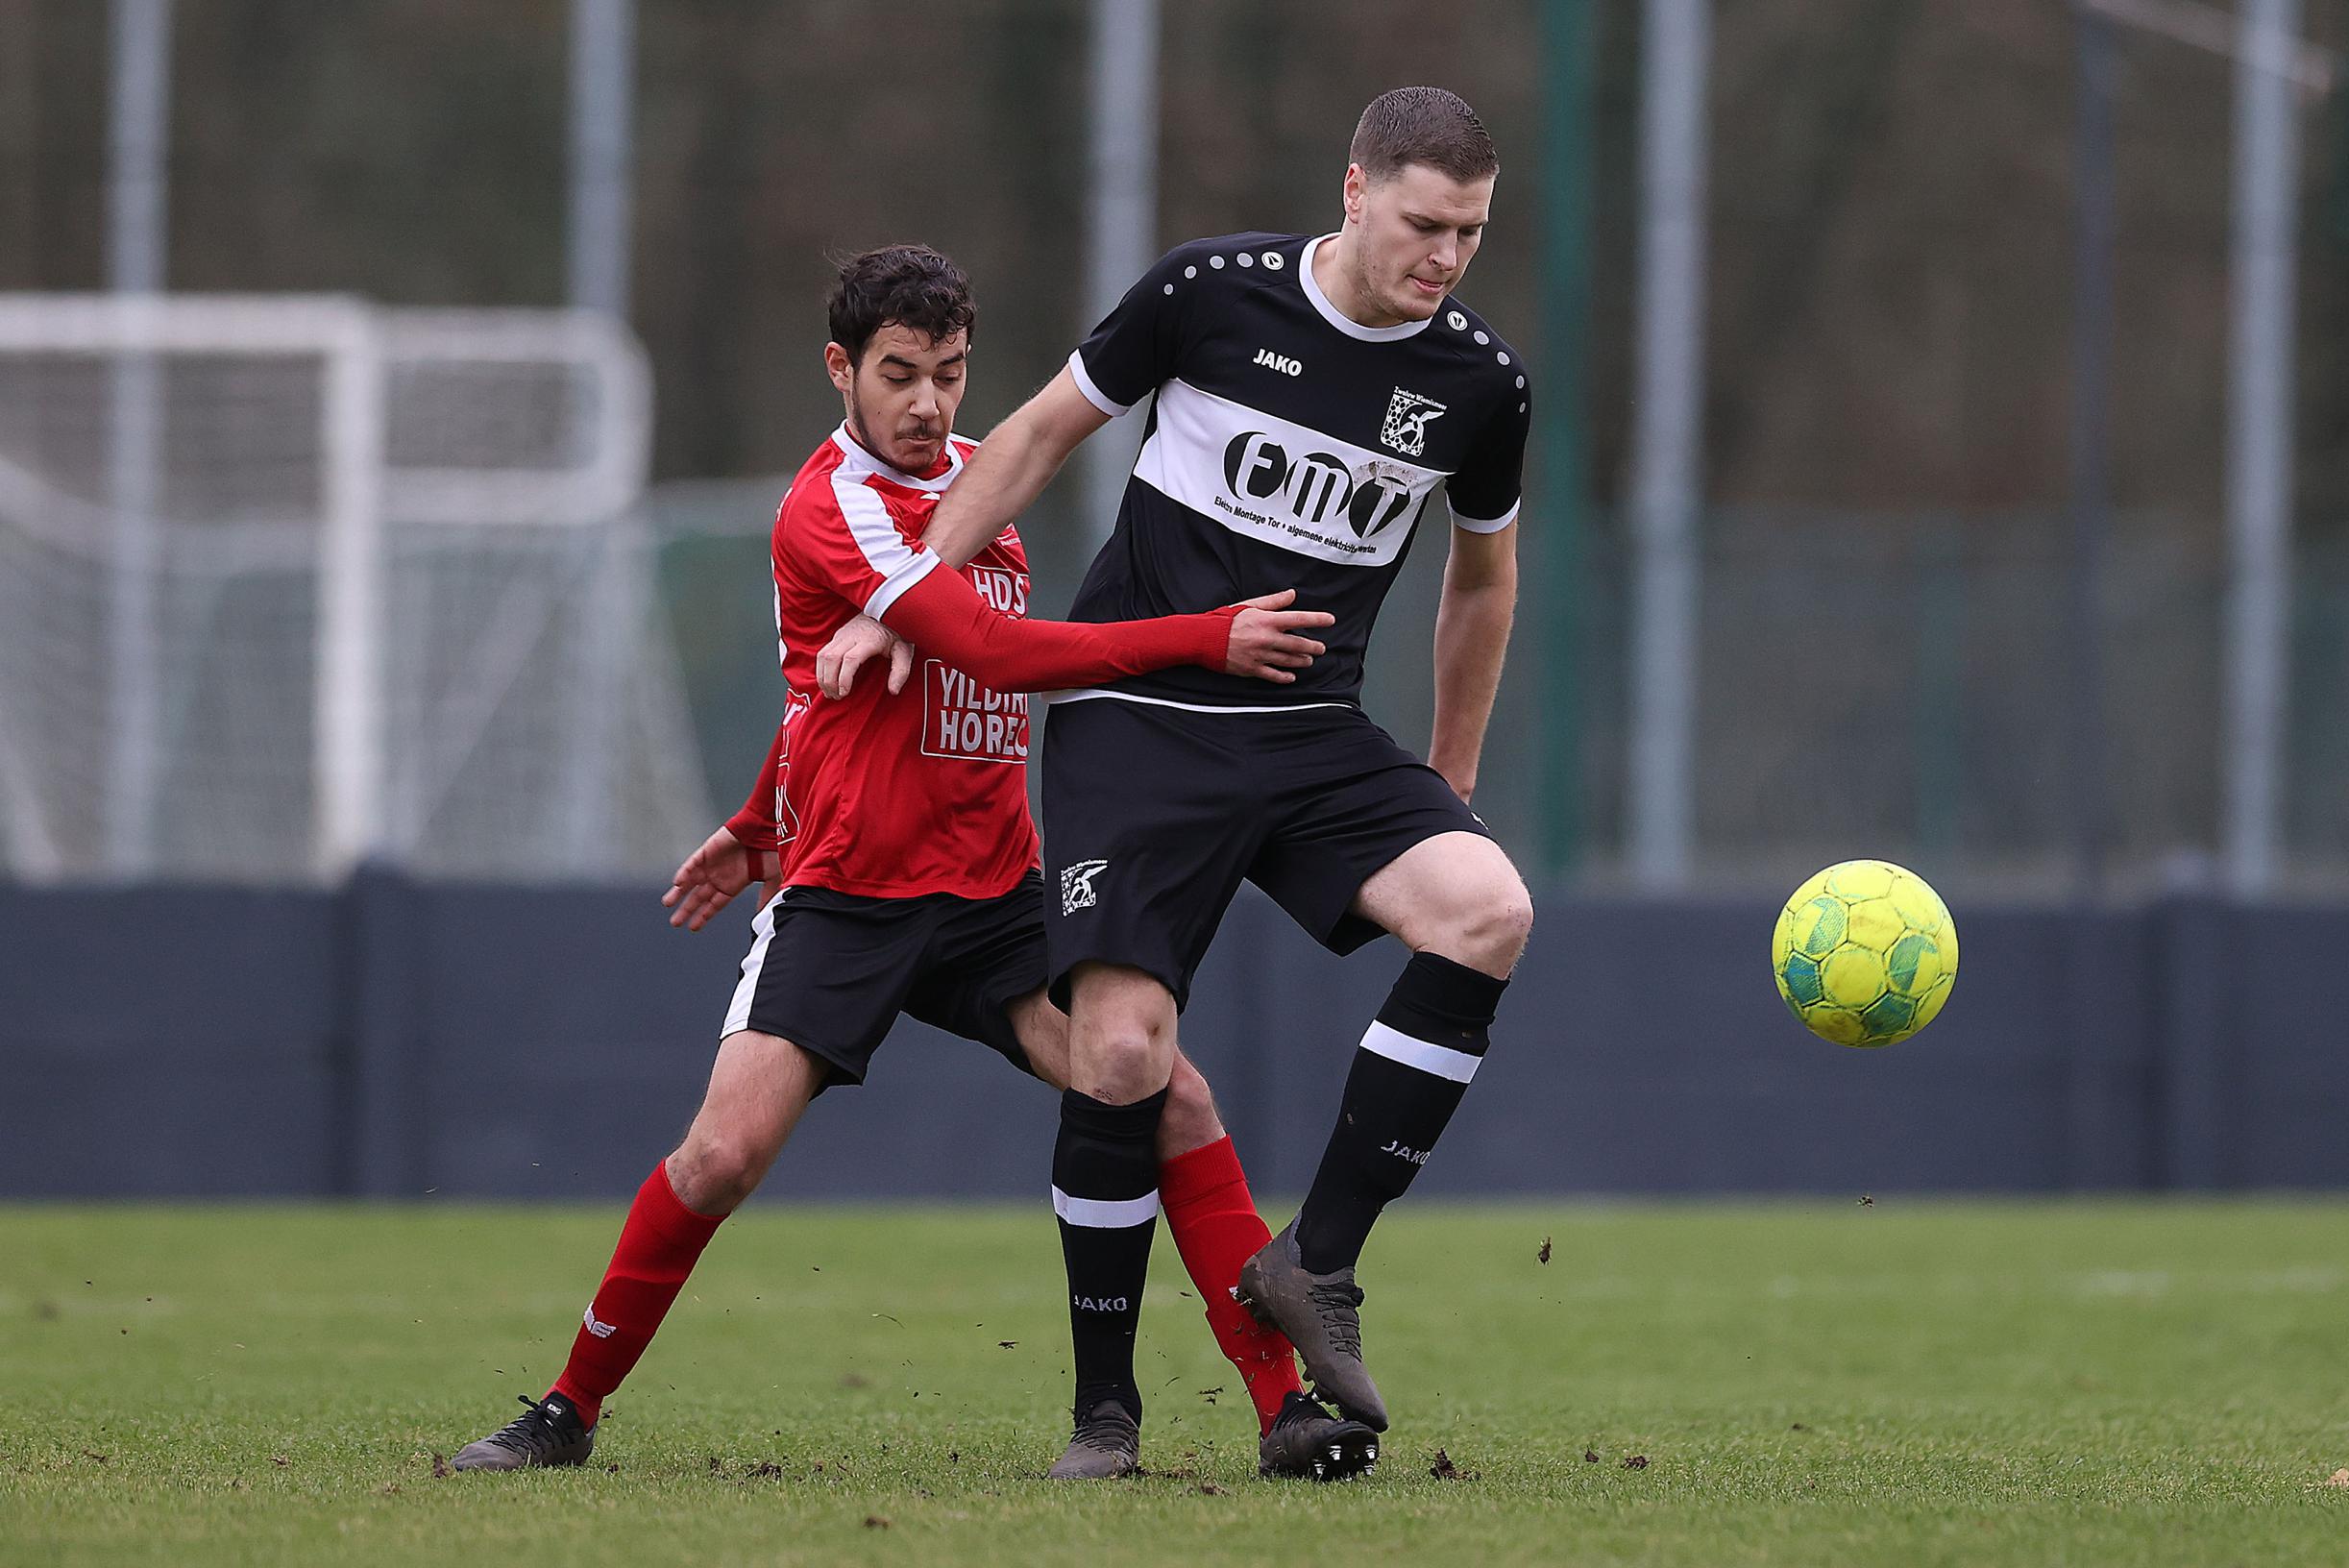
(549,1433)
(1108,1444)
(1320,1313)
(1306,1440)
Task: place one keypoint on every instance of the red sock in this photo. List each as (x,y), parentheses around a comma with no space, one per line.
(1215,1224)
(657,1249)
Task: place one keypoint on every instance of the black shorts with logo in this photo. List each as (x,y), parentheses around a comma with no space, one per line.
(830,971)
(1153,815)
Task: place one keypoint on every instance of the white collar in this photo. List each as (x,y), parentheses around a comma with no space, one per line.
(855,451)
(1337,318)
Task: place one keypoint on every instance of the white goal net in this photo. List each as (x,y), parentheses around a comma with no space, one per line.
(290,583)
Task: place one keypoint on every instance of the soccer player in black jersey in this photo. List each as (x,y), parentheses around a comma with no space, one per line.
(1315,397)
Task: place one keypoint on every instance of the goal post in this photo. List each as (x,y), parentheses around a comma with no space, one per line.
(299,595)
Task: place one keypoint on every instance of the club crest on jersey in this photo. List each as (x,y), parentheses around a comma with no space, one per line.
(1406,425)
(1077,884)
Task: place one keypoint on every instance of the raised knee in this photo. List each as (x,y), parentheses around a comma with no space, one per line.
(1513,919)
(1491,930)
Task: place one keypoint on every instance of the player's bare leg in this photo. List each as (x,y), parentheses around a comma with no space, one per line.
(1461,908)
(1213,1220)
(1456,896)
(759,1086)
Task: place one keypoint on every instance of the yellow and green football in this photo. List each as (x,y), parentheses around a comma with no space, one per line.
(1864,953)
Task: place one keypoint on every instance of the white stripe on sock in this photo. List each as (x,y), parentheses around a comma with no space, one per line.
(1105,1214)
(1442,1060)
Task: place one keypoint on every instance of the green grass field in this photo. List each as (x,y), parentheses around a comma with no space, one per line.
(1901,1383)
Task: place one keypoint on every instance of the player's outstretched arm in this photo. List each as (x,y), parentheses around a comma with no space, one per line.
(1010,469)
(1472,638)
(747,849)
(714,874)
(947,618)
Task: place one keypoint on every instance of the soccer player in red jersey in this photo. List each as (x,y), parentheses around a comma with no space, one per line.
(891,832)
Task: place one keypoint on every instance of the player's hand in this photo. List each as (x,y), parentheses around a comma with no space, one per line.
(850,647)
(1266,641)
(713,875)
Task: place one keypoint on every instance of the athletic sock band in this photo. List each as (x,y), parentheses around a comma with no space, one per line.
(1413,1065)
(1444,1003)
(1105,1197)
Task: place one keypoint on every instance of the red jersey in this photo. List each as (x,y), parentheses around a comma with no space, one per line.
(924,792)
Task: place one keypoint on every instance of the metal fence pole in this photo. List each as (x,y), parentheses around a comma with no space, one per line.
(602,152)
(138,140)
(1569,41)
(2266,177)
(1667,447)
(1121,212)
(2092,372)
(612,612)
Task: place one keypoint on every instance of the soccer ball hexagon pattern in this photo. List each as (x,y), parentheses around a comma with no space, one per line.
(1864,953)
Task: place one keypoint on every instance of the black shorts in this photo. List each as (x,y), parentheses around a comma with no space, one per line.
(1153,816)
(830,971)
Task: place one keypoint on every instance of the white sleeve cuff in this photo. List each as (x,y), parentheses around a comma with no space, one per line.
(919,565)
(1094,394)
(1486,525)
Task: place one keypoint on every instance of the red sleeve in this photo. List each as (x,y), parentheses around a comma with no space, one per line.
(840,533)
(836,535)
(754,826)
(942,614)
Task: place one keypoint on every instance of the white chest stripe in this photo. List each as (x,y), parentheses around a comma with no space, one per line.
(1285,483)
(900,565)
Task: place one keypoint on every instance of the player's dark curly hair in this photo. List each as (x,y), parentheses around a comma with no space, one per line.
(910,285)
(1423,125)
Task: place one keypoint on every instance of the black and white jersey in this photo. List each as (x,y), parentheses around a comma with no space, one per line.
(1289,446)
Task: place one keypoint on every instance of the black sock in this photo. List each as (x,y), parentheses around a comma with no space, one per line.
(1407,1077)
(1105,1191)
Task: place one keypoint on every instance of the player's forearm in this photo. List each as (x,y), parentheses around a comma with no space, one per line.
(754,826)
(1003,478)
(945,618)
(1472,639)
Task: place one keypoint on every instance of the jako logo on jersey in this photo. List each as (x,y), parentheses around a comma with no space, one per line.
(1100,1304)
(1406,425)
(1315,487)
(1077,884)
(1280,362)
(600,1330)
(1407,1154)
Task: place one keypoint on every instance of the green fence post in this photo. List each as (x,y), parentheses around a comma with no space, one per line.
(1569,33)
